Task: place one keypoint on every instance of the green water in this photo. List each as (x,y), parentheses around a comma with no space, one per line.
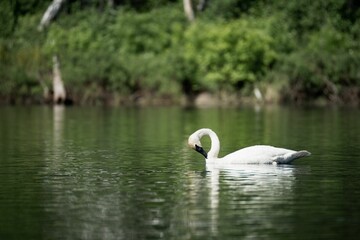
(127,173)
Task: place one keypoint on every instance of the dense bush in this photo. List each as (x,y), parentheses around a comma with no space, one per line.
(329,61)
(228,54)
(148,47)
(23,66)
(126,52)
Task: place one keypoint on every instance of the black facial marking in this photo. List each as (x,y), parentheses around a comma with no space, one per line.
(201,150)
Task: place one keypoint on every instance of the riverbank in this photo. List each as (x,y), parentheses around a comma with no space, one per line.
(267,96)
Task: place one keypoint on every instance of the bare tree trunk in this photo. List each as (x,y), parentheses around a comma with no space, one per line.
(110,3)
(58,85)
(258,94)
(189,12)
(50,13)
(201,5)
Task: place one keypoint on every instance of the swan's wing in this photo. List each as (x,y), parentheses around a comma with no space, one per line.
(259,154)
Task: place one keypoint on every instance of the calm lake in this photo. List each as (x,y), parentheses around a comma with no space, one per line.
(127,173)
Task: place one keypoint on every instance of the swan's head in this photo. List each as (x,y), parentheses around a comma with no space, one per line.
(194,143)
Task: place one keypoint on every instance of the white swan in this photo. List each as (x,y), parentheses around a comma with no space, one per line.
(249,155)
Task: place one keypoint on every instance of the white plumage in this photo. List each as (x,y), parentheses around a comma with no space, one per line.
(258,154)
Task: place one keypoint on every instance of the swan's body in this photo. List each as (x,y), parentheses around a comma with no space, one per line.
(259,154)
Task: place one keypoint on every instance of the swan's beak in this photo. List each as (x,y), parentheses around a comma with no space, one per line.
(201,150)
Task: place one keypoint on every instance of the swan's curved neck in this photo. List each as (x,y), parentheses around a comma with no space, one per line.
(215,143)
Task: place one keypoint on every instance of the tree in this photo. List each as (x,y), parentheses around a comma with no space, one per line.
(58,85)
(189,12)
(50,13)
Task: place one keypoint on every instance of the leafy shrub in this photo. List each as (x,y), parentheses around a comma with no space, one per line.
(148,46)
(22,62)
(330,59)
(228,53)
(126,52)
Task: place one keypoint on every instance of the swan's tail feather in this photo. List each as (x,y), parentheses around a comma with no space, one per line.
(298,154)
(302,153)
(288,158)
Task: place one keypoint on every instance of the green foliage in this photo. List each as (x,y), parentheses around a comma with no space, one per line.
(329,60)
(147,46)
(25,7)
(7,18)
(22,63)
(126,52)
(228,53)
(306,16)
(234,9)
(144,5)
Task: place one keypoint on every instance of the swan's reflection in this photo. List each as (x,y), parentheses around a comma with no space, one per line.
(250,195)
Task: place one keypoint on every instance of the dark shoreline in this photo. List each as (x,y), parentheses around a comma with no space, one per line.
(201,100)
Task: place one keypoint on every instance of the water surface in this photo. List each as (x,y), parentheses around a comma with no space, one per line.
(127,173)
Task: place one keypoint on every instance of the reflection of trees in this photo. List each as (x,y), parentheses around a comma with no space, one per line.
(58,121)
(246,196)
(106,180)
